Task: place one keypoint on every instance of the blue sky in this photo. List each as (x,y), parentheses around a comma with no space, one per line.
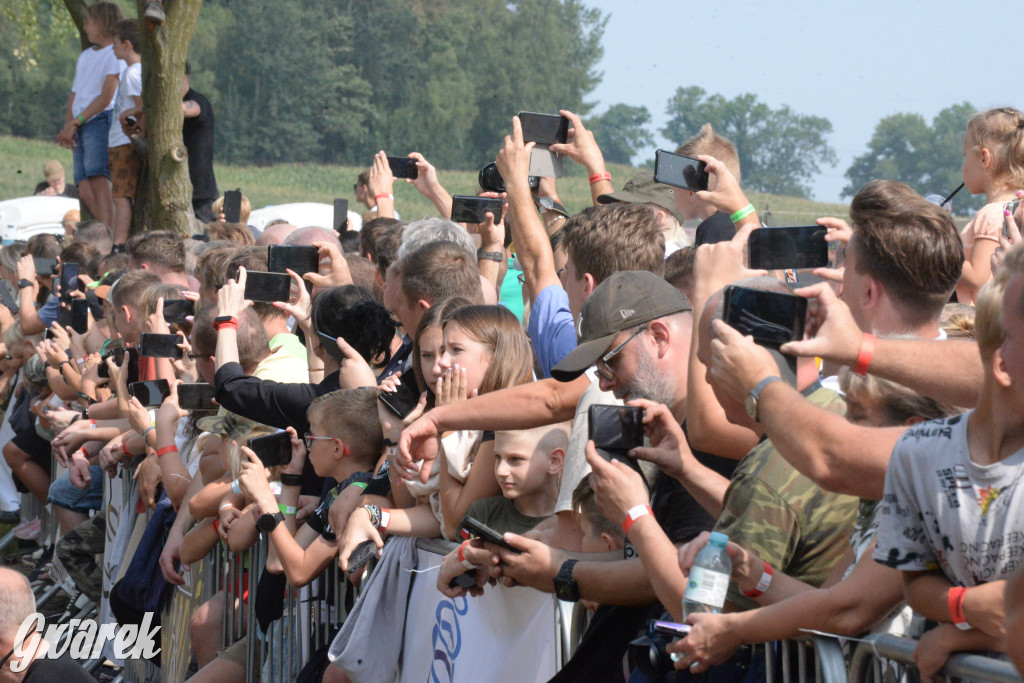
(853,63)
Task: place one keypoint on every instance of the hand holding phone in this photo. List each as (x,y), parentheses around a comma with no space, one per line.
(80,316)
(544,129)
(469,209)
(616,430)
(160,345)
(680,171)
(233,206)
(362,554)
(272,449)
(771,318)
(267,287)
(150,394)
(481,530)
(196,396)
(299,259)
(68,280)
(403,167)
(404,398)
(178,310)
(782,248)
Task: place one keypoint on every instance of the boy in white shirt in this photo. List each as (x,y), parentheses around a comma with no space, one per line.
(125,163)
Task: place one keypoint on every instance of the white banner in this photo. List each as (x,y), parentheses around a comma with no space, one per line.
(507,634)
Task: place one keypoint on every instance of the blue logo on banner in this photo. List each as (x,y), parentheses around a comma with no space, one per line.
(446,638)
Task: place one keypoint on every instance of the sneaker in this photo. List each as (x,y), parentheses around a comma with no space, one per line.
(10,517)
(154,12)
(28,530)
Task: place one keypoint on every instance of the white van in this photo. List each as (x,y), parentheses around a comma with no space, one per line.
(301,215)
(28,216)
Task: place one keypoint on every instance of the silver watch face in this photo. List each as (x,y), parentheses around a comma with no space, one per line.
(546,203)
(751,405)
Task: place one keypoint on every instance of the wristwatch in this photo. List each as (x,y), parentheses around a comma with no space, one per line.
(495,256)
(751,401)
(23,283)
(269,521)
(565,586)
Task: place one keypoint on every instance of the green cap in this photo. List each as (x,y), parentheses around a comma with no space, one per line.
(626,299)
(641,189)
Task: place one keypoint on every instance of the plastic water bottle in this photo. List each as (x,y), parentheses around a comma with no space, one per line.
(709,578)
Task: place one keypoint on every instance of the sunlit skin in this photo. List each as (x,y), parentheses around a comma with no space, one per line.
(430,354)
(458,348)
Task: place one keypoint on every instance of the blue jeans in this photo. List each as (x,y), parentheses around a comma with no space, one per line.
(66,495)
(91,156)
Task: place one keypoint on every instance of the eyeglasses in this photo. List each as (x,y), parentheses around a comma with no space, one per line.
(602,363)
(308,439)
(522,279)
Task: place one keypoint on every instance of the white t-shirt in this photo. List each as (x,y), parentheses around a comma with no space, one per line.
(94,65)
(941,510)
(128,87)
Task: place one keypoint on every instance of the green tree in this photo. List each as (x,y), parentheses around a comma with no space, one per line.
(780,150)
(621,131)
(926,157)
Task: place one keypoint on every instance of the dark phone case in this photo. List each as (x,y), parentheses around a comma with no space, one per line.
(197,396)
(481,530)
(299,259)
(781,248)
(404,399)
(8,296)
(178,310)
(45,266)
(402,167)
(69,281)
(771,318)
(467,209)
(544,129)
(680,171)
(340,215)
(271,449)
(466,580)
(360,556)
(232,206)
(150,394)
(267,286)
(615,428)
(133,364)
(80,316)
(160,345)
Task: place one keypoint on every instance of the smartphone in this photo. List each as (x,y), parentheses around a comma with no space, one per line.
(160,345)
(670,629)
(544,163)
(360,556)
(178,310)
(771,318)
(233,206)
(403,167)
(544,129)
(272,449)
(468,209)
(48,334)
(302,260)
(340,215)
(679,171)
(80,316)
(118,354)
(1010,206)
(150,394)
(198,396)
(483,531)
(466,580)
(616,428)
(63,316)
(404,398)
(781,248)
(45,266)
(267,286)
(68,280)
(7,296)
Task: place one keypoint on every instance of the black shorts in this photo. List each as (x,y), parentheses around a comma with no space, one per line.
(39,452)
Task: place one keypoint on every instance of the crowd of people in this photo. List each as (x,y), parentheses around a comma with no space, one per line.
(422,372)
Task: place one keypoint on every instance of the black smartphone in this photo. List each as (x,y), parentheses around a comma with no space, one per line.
(1010,206)
(403,167)
(160,345)
(302,260)
(679,171)
(198,396)
(481,530)
(340,215)
(261,286)
(178,310)
(670,629)
(45,266)
(150,394)
(360,556)
(616,429)
(404,398)
(544,129)
(771,318)
(118,354)
(782,248)
(63,316)
(469,209)
(80,316)
(233,206)
(48,334)
(466,580)
(69,280)
(8,297)
(272,449)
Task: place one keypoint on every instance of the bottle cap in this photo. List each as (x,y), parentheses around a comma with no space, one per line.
(719,539)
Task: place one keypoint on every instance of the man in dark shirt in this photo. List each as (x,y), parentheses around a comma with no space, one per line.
(197,134)
(54,184)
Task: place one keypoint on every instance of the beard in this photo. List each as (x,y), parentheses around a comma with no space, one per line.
(648,383)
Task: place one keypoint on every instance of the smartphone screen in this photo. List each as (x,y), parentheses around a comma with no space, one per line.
(403,167)
(679,171)
(340,215)
(63,317)
(68,280)
(198,396)
(150,394)
(80,316)
(233,206)
(771,318)
(781,248)
(301,260)
(267,286)
(404,399)
(544,129)
(160,345)
(178,310)
(616,428)
(272,449)
(45,266)
(468,209)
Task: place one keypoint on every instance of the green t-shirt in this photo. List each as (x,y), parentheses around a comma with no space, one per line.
(500,514)
(291,344)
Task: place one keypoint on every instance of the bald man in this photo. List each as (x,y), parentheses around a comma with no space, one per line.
(275,234)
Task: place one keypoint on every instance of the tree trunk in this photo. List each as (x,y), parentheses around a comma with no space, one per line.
(76,8)
(164,50)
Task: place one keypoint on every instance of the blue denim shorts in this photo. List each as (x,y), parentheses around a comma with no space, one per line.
(66,495)
(91,157)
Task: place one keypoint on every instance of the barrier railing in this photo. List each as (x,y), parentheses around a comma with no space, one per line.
(812,659)
(884,657)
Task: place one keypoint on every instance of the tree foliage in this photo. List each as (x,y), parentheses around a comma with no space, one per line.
(925,157)
(780,150)
(622,131)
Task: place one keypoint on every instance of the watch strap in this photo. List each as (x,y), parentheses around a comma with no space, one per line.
(565,586)
(755,394)
(495,256)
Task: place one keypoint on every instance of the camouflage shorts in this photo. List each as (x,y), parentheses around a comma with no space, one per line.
(80,551)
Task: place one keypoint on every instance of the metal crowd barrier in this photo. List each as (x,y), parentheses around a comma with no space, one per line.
(884,657)
(812,659)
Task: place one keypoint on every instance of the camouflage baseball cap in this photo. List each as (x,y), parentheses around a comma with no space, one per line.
(641,189)
(626,299)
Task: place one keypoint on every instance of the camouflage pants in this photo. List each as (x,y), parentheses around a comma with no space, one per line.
(78,551)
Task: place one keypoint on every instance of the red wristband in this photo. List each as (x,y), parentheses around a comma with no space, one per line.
(233,323)
(216,526)
(166,449)
(633,515)
(600,176)
(867,351)
(956,607)
(378,197)
(124,449)
(762,583)
(385,519)
(462,557)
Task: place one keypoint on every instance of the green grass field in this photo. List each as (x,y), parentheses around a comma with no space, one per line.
(21,167)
